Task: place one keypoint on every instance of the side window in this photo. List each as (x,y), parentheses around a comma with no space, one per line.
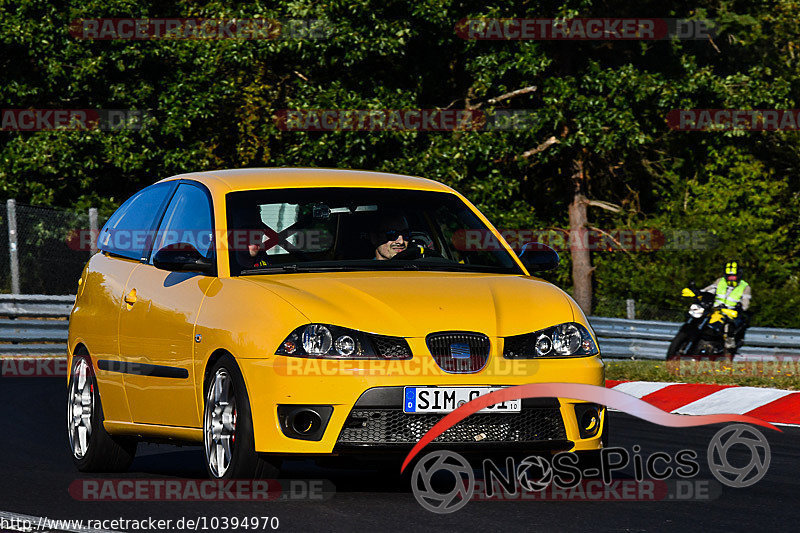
(187,220)
(128,233)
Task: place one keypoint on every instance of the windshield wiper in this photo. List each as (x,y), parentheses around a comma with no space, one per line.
(380,266)
(459,267)
(294,268)
(291,268)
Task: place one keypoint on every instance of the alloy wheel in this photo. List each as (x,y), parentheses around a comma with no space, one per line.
(219,425)
(80,408)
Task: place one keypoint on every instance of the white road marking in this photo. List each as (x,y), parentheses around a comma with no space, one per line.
(733,400)
(641,388)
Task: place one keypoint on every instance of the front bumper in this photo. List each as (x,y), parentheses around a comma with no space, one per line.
(354,389)
(377,421)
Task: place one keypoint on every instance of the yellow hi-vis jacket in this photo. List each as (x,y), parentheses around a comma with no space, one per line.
(728,295)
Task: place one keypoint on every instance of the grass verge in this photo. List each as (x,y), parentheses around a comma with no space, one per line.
(774,374)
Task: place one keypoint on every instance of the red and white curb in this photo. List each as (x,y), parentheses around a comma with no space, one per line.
(771,405)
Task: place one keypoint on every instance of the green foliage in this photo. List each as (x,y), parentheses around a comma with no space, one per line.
(213,104)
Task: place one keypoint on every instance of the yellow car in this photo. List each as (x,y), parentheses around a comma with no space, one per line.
(268,313)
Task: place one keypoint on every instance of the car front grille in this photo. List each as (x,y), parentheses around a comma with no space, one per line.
(459,352)
(393,426)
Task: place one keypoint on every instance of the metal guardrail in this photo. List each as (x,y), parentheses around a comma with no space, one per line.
(37,325)
(36,305)
(645,339)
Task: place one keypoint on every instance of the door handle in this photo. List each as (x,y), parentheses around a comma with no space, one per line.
(130,298)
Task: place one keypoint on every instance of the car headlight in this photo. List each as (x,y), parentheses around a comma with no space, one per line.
(696,310)
(564,340)
(335,342)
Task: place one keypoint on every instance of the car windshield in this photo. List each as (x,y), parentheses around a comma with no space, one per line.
(329,229)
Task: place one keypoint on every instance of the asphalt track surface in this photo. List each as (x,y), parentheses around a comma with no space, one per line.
(36,471)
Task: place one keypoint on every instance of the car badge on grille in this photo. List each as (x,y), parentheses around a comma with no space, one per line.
(459,350)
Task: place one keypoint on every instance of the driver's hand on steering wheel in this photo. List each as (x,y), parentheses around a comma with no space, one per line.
(414,250)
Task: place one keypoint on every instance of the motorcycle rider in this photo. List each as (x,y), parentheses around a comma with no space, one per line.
(732,297)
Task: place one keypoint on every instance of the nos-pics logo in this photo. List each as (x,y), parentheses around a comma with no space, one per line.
(535,473)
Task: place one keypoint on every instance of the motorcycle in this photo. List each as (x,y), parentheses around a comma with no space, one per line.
(705,332)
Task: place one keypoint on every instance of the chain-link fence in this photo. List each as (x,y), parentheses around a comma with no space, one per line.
(48,250)
(641,309)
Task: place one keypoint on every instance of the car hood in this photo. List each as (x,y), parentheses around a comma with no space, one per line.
(414,304)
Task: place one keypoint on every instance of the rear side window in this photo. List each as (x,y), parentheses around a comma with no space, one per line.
(129,231)
(187,220)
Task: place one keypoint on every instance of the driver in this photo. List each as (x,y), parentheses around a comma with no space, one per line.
(391,236)
(249,237)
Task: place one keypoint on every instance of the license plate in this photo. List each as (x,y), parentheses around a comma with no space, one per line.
(446,399)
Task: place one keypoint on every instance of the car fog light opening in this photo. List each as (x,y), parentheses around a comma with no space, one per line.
(588,418)
(305,421)
(589,421)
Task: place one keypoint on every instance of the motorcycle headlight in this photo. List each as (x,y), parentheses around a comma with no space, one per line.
(335,342)
(696,310)
(564,340)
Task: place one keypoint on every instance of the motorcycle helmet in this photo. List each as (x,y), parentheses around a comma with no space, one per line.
(733,273)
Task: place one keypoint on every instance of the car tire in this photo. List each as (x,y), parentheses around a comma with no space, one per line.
(228,441)
(93,449)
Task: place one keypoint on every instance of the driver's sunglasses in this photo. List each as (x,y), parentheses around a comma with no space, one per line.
(393,234)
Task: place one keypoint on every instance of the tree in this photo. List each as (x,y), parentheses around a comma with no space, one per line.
(598,157)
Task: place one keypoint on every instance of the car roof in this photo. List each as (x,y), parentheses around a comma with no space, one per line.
(224,181)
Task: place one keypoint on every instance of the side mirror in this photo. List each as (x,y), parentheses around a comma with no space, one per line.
(538,257)
(182,257)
